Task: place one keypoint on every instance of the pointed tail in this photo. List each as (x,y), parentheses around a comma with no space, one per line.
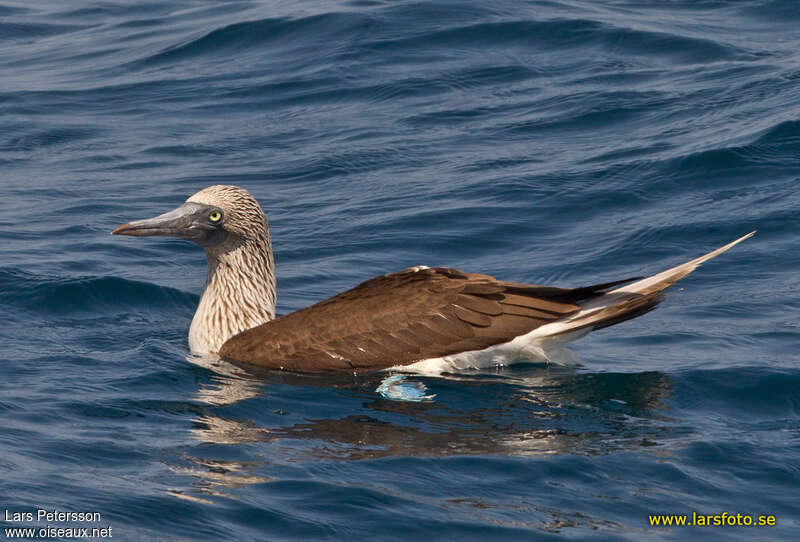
(633,299)
(665,279)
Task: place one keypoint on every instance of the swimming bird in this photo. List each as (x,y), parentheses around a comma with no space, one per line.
(411,318)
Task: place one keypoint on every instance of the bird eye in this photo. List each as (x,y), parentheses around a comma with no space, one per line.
(215,216)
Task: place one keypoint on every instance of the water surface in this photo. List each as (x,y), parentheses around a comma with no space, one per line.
(558,142)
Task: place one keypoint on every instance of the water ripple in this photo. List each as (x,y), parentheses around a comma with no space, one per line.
(553,141)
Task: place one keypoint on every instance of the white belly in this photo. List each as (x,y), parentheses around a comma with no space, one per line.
(534,346)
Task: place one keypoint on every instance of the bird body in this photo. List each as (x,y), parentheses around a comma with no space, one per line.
(417,317)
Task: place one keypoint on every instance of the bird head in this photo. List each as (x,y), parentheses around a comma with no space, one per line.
(213,217)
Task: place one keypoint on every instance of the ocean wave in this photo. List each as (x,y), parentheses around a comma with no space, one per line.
(558,142)
(744,393)
(30,31)
(235,38)
(55,295)
(566,34)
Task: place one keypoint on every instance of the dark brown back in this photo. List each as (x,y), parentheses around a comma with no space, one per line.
(404,317)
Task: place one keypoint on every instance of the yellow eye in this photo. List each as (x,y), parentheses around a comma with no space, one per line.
(215,216)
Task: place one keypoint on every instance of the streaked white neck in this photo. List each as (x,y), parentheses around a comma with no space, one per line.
(239,294)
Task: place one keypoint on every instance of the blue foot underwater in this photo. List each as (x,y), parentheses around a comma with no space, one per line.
(397,388)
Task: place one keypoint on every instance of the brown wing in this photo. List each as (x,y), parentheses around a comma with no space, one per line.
(401,318)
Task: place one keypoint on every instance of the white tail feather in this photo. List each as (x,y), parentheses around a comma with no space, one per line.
(545,342)
(646,286)
(671,276)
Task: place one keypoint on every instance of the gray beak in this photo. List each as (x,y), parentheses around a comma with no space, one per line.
(187,221)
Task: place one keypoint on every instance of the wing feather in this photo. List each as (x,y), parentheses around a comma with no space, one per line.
(479,304)
(400,318)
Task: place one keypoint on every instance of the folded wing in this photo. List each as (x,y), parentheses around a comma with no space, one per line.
(400,318)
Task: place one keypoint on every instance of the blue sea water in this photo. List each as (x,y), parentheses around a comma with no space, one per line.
(562,142)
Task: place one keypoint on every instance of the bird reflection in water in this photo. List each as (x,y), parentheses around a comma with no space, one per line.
(527,410)
(228,384)
(213,476)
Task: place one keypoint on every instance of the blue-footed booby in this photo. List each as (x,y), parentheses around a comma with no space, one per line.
(413,317)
